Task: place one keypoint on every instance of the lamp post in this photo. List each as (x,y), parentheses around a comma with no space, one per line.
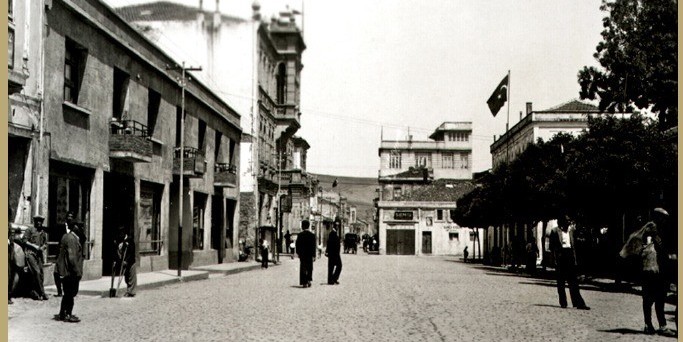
(182,83)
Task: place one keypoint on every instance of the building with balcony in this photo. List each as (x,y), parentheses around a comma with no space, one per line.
(420,182)
(113,112)
(28,141)
(255,65)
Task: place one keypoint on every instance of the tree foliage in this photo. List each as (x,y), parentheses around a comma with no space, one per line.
(616,166)
(639,59)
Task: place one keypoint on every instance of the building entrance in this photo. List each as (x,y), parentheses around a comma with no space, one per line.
(426,242)
(401,241)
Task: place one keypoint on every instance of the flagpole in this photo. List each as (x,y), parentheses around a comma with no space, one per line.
(507,125)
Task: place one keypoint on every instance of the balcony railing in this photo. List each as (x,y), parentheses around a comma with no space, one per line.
(225,174)
(128,141)
(194,164)
(287,111)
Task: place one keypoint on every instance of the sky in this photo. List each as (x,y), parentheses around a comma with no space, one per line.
(396,67)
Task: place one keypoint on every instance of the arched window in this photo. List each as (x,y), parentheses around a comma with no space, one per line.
(281,83)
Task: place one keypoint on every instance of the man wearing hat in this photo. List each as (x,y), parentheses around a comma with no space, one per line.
(70,269)
(656,255)
(34,243)
(125,257)
(334,262)
(305,248)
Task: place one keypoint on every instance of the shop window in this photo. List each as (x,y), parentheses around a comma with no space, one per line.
(198,221)
(149,221)
(453,236)
(69,190)
(74,66)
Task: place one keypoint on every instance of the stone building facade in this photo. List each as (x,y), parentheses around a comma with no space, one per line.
(420,182)
(255,65)
(112,110)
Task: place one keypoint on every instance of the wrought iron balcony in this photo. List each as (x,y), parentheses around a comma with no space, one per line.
(194,164)
(128,141)
(225,175)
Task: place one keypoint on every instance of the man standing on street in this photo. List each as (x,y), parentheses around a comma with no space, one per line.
(34,243)
(125,252)
(288,240)
(60,231)
(334,264)
(70,269)
(657,260)
(305,248)
(562,247)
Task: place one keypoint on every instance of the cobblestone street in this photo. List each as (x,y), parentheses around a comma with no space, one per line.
(380,298)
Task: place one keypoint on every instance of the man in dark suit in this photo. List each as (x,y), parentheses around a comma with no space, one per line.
(334,264)
(562,246)
(70,269)
(305,248)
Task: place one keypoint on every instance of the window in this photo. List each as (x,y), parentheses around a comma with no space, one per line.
(395,160)
(178,119)
(281,83)
(451,214)
(198,221)
(397,193)
(200,136)
(121,80)
(453,236)
(423,159)
(153,103)
(439,214)
(448,161)
(74,61)
(473,236)
(10,48)
(464,161)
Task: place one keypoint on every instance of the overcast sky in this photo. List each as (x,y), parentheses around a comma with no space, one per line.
(411,65)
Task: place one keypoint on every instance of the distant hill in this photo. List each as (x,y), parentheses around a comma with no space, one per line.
(359,192)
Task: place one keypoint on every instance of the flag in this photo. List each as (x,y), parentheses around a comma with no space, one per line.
(499,96)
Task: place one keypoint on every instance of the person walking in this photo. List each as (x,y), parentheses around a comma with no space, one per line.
(465,254)
(288,241)
(305,249)
(125,253)
(334,263)
(34,243)
(562,246)
(70,269)
(264,252)
(60,230)
(657,254)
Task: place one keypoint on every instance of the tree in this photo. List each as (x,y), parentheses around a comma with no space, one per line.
(639,59)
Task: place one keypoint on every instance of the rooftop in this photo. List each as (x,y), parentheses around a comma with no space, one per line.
(573,106)
(441,190)
(452,126)
(167,11)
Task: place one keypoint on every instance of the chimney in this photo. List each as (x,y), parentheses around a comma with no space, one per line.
(528,108)
(217,16)
(520,115)
(200,13)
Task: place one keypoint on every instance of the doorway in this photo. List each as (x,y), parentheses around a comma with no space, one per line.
(426,242)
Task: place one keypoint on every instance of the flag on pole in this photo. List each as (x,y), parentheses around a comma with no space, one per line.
(499,96)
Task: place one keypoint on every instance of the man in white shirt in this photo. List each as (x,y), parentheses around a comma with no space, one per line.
(562,247)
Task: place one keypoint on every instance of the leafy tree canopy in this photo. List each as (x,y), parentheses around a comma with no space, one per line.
(639,59)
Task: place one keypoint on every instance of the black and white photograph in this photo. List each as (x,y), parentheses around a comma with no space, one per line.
(300,170)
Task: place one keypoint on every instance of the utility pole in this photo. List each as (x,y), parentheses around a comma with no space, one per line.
(183,69)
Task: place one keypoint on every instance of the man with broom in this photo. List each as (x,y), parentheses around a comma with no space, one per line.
(125,257)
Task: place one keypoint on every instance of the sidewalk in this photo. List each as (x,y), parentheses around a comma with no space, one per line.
(149,280)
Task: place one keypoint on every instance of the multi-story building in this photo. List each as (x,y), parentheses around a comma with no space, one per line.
(570,118)
(28,141)
(112,115)
(420,182)
(255,66)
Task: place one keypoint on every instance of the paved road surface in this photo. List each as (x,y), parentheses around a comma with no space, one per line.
(380,298)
